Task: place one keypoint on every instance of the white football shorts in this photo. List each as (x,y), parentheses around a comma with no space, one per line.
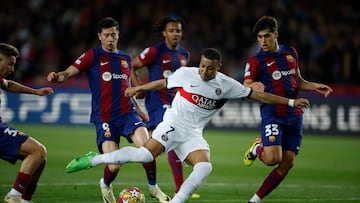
(180,138)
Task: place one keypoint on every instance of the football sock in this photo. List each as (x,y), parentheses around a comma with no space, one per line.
(31,187)
(21,182)
(109,176)
(103,185)
(152,187)
(176,168)
(255,198)
(150,169)
(29,191)
(14,192)
(199,174)
(270,183)
(124,155)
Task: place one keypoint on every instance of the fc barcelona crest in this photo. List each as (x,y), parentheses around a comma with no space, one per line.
(124,64)
(289,58)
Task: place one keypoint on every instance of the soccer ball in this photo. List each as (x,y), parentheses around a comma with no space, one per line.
(131,195)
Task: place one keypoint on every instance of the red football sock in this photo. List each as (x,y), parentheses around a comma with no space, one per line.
(31,187)
(270,183)
(28,193)
(176,168)
(150,169)
(109,176)
(21,182)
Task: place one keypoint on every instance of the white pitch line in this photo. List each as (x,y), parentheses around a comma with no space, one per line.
(203,200)
(206,184)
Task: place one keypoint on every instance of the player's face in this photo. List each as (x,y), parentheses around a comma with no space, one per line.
(6,65)
(268,40)
(172,34)
(109,38)
(208,68)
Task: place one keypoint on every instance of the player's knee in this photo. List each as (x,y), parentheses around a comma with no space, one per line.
(145,155)
(114,168)
(203,167)
(41,152)
(271,157)
(287,165)
(272,161)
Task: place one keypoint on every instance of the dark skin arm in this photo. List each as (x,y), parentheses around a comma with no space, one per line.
(258,96)
(268,98)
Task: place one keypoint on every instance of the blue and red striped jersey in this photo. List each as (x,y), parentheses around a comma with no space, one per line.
(161,62)
(108,75)
(277,71)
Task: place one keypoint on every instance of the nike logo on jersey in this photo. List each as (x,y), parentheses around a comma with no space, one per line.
(166,61)
(269,64)
(103,63)
(193,85)
(138,123)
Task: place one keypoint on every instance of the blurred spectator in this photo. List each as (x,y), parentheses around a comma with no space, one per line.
(327,39)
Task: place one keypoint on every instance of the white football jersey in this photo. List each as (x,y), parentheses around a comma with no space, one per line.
(197,100)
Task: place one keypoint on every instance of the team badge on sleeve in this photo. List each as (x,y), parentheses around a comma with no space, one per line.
(218,91)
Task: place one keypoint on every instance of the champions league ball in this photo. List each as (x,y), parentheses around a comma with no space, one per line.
(131,195)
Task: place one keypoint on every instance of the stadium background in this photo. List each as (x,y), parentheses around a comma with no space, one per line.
(51,34)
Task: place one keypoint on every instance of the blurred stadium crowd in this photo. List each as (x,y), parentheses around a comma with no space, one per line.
(51,34)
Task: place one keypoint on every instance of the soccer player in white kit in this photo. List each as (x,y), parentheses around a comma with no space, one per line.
(202,92)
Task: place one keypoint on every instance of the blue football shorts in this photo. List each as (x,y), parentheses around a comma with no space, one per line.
(10,143)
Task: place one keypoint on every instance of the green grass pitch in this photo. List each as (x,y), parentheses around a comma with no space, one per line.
(327,169)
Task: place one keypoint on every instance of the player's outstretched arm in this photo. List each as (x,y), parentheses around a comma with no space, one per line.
(275,99)
(312,86)
(62,76)
(318,87)
(154,85)
(15,87)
